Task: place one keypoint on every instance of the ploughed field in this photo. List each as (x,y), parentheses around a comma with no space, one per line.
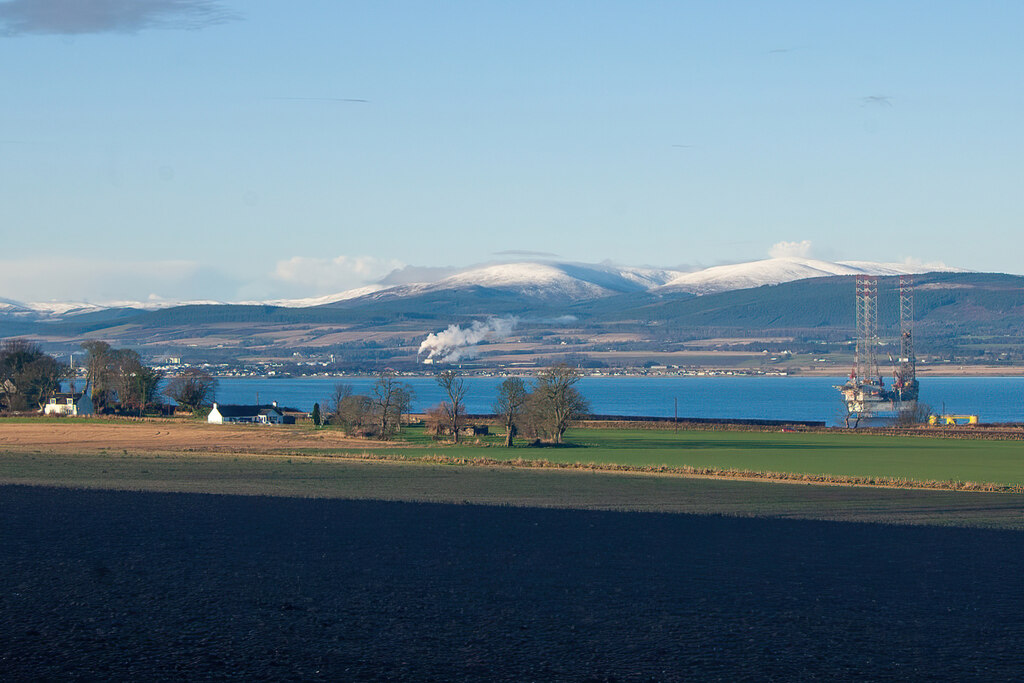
(78,435)
(142,585)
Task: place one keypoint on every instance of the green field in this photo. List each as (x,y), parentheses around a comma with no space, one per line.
(840,454)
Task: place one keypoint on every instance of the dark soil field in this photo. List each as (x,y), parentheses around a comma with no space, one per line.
(140,585)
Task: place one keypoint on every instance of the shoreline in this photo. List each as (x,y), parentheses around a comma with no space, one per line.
(837,373)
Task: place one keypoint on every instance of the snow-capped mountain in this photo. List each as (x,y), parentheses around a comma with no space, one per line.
(535,280)
(12,306)
(539,281)
(778,270)
(574,281)
(580,281)
(357,293)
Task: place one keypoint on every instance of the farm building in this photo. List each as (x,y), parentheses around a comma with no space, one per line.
(259,414)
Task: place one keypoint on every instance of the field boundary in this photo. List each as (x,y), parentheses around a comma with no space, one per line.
(691,471)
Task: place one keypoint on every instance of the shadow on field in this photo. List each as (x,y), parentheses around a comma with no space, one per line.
(142,585)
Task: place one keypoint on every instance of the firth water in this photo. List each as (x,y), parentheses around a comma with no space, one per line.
(994,399)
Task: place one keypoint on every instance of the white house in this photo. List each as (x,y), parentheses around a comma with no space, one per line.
(69,404)
(226,414)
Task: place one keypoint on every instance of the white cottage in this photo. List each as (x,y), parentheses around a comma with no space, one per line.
(69,404)
(226,414)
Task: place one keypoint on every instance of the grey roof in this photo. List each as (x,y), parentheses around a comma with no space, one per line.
(228,410)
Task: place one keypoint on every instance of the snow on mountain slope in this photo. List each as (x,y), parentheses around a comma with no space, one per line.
(540,280)
(873,268)
(778,270)
(548,281)
(318,300)
(12,306)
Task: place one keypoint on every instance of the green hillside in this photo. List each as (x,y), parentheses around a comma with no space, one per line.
(944,301)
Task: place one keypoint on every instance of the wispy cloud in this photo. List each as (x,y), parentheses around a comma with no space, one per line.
(800,249)
(322,99)
(75,17)
(876,101)
(329,275)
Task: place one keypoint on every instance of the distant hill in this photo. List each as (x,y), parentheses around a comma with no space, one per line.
(563,310)
(779,270)
(950,301)
(944,300)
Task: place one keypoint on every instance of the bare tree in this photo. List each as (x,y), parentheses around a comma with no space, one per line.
(384,402)
(192,389)
(509,406)
(455,407)
(347,410)
(435,419)
(913,416)
(335,404)
(127,378)
(403,395)
(98,360)
(556,401)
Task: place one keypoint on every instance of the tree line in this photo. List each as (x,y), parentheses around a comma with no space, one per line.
(377,414)
(121,382)
(118,381)
(543,411)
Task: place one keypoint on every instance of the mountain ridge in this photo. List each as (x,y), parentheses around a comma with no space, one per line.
(553,282)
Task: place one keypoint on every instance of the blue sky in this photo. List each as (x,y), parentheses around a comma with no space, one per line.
(247,150)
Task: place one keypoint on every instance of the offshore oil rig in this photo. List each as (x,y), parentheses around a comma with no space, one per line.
(865,393)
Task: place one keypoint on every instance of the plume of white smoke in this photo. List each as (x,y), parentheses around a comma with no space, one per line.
(456,343)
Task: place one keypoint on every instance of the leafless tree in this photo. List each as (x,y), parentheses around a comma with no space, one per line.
(336,403)
(125,368)
(436,420)
(403,396)
(455,407)
(384,400)
(348,410)
(98,360)
(509,406)
(192,389)
(911,417)
(556,402)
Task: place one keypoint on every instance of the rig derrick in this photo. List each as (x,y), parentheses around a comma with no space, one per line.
(865,393)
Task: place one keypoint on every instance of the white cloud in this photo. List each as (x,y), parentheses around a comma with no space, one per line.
(920,263)
(101,280)
(800,249)
(328,275)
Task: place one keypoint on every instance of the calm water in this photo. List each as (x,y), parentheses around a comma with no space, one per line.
(995,399)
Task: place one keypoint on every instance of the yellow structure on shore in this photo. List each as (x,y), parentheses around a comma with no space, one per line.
(952,419)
